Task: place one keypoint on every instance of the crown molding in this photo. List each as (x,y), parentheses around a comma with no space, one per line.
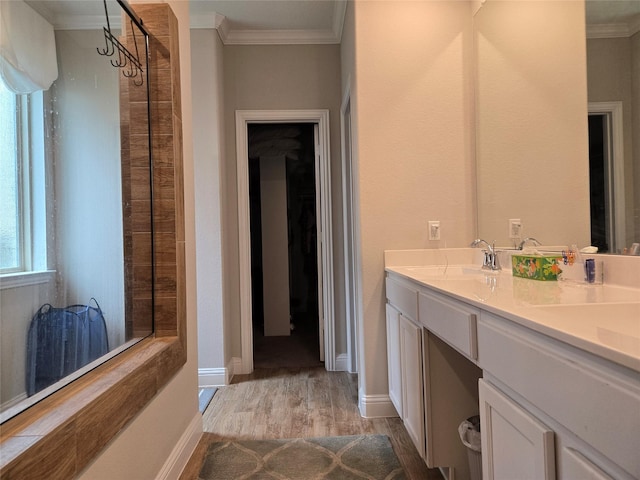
(339,11)
(613,30)
(278,37)
(208,20)
(273,37)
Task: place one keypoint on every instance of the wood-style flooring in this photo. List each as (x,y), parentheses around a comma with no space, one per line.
(293,403)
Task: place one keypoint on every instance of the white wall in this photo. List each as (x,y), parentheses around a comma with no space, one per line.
(144,445)
(412,116)
(280,77)
(214,351)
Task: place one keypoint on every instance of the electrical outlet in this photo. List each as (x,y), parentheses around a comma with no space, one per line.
(515,228)
(434,229)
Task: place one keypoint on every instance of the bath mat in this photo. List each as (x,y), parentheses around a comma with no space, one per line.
(368,457)
(205,395)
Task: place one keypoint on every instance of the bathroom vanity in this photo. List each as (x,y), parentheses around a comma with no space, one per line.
(553,368)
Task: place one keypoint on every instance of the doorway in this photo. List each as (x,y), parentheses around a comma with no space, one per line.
(284,257)
(324,245)
(606,177)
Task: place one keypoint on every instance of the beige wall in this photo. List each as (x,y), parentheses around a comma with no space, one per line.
(144,445)
(412,113)
(531,131)
(280,77)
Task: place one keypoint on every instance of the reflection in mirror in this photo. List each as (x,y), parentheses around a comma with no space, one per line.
(613,72)
(76,242)
(531,121)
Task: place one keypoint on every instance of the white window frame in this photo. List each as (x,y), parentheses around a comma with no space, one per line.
(32,204)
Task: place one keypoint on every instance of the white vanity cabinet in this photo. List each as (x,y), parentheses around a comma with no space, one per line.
(393,358)
(451,378)
(575,465)
(572,414)
(432,386)
(404,359)
(550,409)
(412,382)
(515,444)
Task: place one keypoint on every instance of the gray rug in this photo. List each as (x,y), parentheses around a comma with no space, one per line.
(338,458)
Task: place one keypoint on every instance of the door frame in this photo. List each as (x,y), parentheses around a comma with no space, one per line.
(350,232)
(324,228)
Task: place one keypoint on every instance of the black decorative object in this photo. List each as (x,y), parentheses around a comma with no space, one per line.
(130,63)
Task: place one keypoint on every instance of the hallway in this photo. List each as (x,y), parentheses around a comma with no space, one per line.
(297,403)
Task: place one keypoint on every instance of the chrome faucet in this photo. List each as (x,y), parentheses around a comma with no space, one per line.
(491,261)
(528,239)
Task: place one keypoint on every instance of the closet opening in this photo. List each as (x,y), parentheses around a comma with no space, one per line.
(284,247)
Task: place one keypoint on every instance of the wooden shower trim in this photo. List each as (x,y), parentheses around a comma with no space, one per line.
(61,435)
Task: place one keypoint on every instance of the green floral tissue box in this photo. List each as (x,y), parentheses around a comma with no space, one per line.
(536,267)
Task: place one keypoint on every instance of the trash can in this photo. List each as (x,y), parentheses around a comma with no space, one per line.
(469,431)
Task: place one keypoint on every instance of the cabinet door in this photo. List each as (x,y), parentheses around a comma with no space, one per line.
(393,358)
(412,382)
(576,466)
(514,443)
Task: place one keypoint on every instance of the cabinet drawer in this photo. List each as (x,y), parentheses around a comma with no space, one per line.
(597,403)
(403,297)
(454,322)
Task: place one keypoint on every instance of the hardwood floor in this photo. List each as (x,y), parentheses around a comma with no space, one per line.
(293,403)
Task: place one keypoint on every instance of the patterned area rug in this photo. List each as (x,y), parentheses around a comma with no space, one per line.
(337,458)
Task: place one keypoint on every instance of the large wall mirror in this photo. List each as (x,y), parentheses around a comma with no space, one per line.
(75,225)
(565,164)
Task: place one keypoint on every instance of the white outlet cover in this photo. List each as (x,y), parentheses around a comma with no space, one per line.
(515,228)
(434,230)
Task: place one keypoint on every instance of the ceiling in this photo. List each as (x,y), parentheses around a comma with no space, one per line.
(301,21)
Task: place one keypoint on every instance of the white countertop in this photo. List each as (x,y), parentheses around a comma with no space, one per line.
(601,319)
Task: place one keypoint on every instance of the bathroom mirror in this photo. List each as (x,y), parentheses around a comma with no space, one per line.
(76,280)
(532,142)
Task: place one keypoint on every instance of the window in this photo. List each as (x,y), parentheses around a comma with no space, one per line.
(11,258)
(21,182)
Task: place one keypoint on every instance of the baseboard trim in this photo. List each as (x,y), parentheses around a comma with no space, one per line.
(376,406)
(212,377)
(342,363)
(183,450)
(235,366)
(219,377)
